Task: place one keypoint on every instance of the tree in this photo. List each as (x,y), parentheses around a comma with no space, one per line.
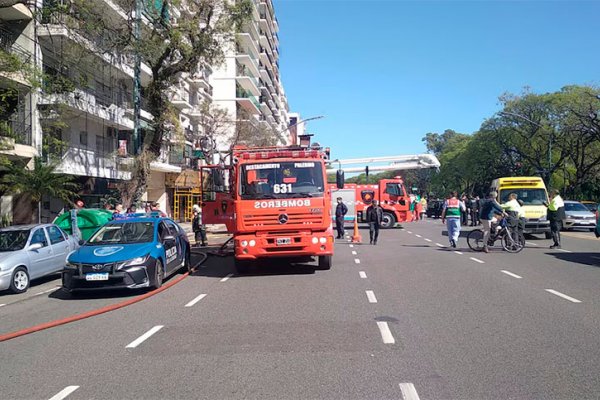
(37,182)
(170,49)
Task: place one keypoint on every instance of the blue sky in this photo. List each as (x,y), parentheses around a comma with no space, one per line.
(384,73)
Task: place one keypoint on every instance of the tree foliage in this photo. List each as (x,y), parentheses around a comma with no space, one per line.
(552,135)
(37,182)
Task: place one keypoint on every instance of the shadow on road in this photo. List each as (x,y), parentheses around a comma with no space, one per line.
(591,259)
(32,287)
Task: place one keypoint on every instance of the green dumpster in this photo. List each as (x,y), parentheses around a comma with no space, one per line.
(88,221)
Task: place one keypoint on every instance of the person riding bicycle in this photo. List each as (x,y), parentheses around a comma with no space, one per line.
(515,211)
(488,211)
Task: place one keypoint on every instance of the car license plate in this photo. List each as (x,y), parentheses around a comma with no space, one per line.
(97,277)
(283,241)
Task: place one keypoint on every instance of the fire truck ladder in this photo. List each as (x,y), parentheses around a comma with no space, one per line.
(406,162)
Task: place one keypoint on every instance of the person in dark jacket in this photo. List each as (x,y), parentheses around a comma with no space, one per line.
(489,209)
(374,217)
(198,227)
(340,211)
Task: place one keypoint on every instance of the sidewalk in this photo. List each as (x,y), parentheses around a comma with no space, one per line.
(215,234)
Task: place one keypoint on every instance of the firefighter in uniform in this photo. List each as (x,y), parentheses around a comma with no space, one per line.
(340,211)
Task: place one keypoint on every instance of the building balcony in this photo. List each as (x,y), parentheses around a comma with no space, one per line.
(57,36)
(180,98)
(86,162)
(15,13)
(82,101)
(249,62)
(248,101)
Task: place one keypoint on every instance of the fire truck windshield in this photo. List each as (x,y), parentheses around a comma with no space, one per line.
(275,180)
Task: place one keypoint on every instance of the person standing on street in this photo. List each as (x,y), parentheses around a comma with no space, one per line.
(198,227)
(451,216)
(374,217)
(489,209)
(556,214)
(340,211)
(423,208)
(474,210)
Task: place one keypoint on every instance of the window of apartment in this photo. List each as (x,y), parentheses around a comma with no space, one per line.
(83,138)
(100,144)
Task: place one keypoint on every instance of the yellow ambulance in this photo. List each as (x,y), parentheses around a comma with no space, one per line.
(532,192)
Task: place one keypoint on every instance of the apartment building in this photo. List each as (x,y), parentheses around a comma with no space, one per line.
(20,140)
(248,85)
(82,115)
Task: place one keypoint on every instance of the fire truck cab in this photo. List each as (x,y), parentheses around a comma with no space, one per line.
(390,193)
(276,203)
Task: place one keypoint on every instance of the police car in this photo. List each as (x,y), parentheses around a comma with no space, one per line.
(132,251)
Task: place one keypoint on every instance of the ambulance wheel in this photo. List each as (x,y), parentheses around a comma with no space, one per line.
(243,266)
(325,262)
(388,220)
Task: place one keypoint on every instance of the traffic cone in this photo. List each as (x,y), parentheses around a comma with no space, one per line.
(356,238)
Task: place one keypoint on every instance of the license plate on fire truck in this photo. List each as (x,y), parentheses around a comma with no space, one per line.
(283,241)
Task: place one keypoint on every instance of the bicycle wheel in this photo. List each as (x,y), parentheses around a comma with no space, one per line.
(513,242)
(475,240)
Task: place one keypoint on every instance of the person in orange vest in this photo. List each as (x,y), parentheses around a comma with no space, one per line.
(451,215)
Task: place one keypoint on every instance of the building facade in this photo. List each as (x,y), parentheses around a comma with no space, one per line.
(81,116)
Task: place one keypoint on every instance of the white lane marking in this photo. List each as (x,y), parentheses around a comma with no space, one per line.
(532,244)
(225,279)
(145,336)
(408,391)
(197,299)
(564,251)
(47,291)
(357,261)
(458,252)
(477,260)
(362,274)
(386,334)
(64,393)
(511,274)
(371,296)
(350,245)
(417,235)
(409,232)
(439,245)
(353,252)
(564,296)
(427,240)
(2,305)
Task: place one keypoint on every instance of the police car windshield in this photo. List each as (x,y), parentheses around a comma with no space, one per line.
(529,197)
(282,180)
(124,233)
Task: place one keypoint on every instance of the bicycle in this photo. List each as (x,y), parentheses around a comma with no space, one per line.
(513,241)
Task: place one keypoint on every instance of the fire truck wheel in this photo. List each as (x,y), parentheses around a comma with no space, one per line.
(388,220)
(325,262)
(243,266)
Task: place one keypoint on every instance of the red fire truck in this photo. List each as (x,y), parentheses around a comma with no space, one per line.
(390,193)
(276,203)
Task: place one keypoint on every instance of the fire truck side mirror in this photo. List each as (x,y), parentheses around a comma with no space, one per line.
(339,179)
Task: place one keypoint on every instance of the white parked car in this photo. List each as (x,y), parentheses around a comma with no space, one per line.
(31,251)
(578,216)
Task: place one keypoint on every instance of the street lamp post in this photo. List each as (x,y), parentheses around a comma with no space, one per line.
(300,122)
(548,169)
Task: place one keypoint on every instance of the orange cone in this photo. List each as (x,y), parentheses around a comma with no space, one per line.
(356,238)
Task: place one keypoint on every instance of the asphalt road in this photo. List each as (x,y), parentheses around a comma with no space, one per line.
(409,318)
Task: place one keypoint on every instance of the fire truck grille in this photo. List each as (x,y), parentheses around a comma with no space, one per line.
(294,220)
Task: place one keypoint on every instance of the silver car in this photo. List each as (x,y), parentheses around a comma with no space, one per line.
(32,251)
(578,216)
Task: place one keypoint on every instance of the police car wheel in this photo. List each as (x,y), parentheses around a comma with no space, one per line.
(158,275)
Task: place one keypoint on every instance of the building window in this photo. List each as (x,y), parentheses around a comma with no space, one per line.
(83,138)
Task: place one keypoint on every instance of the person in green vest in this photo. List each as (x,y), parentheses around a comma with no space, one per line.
(556,214)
